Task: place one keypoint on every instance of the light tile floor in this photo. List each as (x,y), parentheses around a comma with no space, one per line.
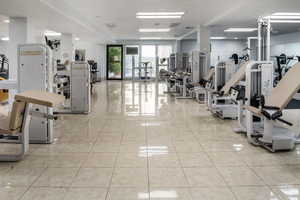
(139,143)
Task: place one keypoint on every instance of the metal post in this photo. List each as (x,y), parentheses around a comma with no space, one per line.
(249,45)
(259,39)
(268,42)
(133,67)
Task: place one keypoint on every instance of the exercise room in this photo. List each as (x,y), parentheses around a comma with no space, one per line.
(149,100)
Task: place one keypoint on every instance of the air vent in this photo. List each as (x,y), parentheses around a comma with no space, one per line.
(172,25)
(189,27)
(110,25)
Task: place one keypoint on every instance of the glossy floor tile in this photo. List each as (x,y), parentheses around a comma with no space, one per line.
(139,143)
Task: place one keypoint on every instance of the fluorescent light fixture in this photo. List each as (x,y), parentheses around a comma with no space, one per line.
(159,13)
(158,17)
(5,38)
(218,38)
(151,30)
(240,30)
(6,21)
(76,38)
(150,38)
(286,14)
(286,21)
(51,33)
(236,38)
(283,17)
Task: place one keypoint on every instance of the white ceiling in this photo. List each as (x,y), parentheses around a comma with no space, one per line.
(107,20)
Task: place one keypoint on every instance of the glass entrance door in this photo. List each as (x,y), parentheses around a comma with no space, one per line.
(114,62)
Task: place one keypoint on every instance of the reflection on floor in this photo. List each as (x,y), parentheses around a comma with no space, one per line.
(139,143)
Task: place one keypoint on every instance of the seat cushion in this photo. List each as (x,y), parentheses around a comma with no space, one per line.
(4,124)
(17,115)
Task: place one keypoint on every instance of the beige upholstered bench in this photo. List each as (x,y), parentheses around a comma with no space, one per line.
(16,122)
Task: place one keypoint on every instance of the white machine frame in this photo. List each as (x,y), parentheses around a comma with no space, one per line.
(264,70)
(80,89)
(35,72)
(264,133)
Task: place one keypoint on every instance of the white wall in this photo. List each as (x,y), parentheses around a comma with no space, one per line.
(4,47)
(223,49)
(288,44)
(188,46)
(94,52)
(147,42)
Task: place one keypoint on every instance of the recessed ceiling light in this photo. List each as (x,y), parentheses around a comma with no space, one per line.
(6,21)
(51,33)
(150,38)
(286,14)
(240,30)
(218,38)
(159,13)
(286,21)
(76,38)
(236,38)
(158,17)
(151,30)
(5,38)
(283,17)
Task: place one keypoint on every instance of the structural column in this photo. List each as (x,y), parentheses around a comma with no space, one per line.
(203,41)
(177,48)
(17,35)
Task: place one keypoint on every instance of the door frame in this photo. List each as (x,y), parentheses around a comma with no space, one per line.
(107,61)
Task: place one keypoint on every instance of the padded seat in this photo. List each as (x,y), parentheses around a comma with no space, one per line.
(4,124)
(190,86)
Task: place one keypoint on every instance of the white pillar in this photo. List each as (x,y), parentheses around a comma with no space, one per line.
(17,35)
(203,41)
(67,48)
(35,33)
(177,46)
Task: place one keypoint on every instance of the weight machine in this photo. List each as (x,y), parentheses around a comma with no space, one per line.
(262,116)
(36,72)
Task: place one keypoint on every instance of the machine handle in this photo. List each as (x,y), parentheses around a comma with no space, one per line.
(284,121)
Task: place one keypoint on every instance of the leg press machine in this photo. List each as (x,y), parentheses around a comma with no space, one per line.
(274,134)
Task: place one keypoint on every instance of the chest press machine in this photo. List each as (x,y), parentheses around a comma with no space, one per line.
(15,126)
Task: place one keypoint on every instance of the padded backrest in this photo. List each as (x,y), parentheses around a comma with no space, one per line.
(236,78)
(40,98)
(286,89)
(17,115)
(210,74)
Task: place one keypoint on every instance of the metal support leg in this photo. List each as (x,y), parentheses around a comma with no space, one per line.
(24,140)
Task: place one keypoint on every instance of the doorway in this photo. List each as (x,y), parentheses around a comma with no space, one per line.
(114,62)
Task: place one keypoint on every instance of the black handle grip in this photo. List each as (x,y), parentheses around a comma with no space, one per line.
(284,121)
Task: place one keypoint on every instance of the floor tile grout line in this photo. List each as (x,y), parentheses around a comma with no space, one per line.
(182,168)
(266,184)
(114,166)
(148,161)
(215,166)
(31,185)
